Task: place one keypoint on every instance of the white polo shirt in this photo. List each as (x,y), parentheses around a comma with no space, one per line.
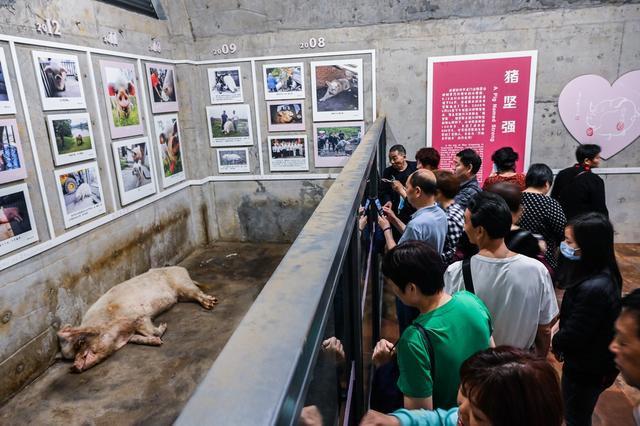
(518,292)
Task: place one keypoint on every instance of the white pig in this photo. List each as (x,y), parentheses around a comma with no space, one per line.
(123,314)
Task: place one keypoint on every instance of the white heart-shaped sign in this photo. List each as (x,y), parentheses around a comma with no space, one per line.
(596,112)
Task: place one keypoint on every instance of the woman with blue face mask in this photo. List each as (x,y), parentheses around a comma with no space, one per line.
(591,303)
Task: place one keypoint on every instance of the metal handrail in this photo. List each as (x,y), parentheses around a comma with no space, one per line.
(261,375)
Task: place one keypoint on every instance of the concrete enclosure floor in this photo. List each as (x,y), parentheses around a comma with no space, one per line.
(146,385)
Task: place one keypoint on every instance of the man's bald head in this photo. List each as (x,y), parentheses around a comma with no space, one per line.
(425,180)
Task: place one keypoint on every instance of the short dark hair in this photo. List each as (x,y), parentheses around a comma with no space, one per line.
(422,179)
(631,305)
(490,211)
(428,157)
(587,152)
(415,262)
(505,159)
(469,157)
(593,232)
(538,175)
(512,387)
(398,148)
(509,192)
(447,182)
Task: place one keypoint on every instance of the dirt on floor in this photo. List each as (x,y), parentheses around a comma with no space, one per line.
(144,385)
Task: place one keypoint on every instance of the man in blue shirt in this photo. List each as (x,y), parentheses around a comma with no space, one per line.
(428,224)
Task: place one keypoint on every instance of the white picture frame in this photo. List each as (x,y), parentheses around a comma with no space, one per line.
(122,100)
(134,169)
(233,160)
(334,84)
(169,143)
(12,164)
(16,231)
(286,115)
(223,135)
(165,97)
(65,146)
(225,85)
(7,101)
(329,148)
(59,80)
(278,87)
(288,153)
(78,203)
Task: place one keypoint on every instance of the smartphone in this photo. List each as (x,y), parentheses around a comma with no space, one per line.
(367,203)
(387,180)
(379,207)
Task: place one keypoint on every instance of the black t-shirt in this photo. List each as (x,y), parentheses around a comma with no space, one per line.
(386,192)
(579,191)
(523,242)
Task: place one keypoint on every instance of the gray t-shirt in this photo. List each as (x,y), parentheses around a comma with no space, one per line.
(518,292)
(428,224)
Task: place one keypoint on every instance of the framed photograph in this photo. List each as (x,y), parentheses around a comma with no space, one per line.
(60,80)
(161,79)
(336,89)
(288,153)
(168,141)
(121,97)
(225,85)
(7,102)
(80,193)
(12,165)
(229,125)
(17,225)
(134,169)
(283,116)
(333,143)
(71,138)
(283,81)
(233,160)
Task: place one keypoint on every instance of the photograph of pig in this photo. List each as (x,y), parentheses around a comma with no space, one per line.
(161,80)
(11,158)
(336,89)
(229,125)
(285,116)
(7,104)
(233,160)
(80,193)
(124,315)
(335,142)
(16,226)
(121,96)
(71,138)
(225,85)
(283,81)
(168,140)
(134,169)
(59,79)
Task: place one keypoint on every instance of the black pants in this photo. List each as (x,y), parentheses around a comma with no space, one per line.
(579,400)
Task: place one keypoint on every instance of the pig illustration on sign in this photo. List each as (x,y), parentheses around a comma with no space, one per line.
(124,313)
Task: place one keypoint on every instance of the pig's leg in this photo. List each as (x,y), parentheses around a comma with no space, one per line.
(146,340)
(147,329)
(188,291)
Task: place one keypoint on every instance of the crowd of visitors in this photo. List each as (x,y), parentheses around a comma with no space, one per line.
(473,268)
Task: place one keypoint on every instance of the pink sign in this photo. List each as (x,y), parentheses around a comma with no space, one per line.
(483,102)
(594,111)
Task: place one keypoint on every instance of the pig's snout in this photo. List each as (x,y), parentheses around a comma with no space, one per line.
(84,361)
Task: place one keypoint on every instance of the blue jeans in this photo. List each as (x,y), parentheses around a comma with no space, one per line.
(579,400)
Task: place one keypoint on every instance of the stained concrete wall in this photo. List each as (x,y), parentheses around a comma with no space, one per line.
(572,38)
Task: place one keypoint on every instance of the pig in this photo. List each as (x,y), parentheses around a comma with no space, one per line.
(167,88)
(228,127)
(124,313)
(230,83)
(56,75)
(121,92)
(83,191)
(335,87)
(79,139)
(284,117)
(232,158)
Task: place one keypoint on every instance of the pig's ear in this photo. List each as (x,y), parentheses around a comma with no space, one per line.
(131,88)
(66,331)
(112,89)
